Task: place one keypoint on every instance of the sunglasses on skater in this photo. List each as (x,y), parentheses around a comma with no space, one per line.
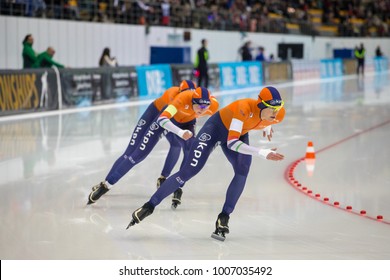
(276,105)
(202,103)
(203,106)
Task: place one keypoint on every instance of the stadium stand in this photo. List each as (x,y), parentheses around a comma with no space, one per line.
(346,18)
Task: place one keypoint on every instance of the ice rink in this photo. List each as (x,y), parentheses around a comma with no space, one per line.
(50,161)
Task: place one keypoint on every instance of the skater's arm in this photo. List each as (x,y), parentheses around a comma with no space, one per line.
(235,144)
(165,122)
(110,61)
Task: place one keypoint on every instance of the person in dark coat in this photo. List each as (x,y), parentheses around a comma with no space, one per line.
(246,52)
(201,65)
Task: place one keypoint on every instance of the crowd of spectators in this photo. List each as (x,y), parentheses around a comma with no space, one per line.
(349,17)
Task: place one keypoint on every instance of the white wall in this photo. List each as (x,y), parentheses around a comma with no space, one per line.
(79,44)
(223,46)
(319,44)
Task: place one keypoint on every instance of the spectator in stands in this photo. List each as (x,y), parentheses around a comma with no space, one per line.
(201,65)
(72,7)
(119,10)
(35,8)
(28,54)
(107,60)
(260,55)
(45,59)
(245,51)
(360,56)
(143,12)
(57,9)
(165,12)
(103,10)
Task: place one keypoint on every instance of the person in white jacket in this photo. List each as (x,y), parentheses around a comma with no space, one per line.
(107,60)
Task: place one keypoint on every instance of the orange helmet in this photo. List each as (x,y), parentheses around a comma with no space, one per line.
(201,96)
(269,97)
(187,84)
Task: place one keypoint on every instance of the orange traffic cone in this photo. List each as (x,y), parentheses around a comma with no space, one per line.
(310,158)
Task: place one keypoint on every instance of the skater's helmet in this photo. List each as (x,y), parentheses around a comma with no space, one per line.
(187,84)
(201,96)
(269,97)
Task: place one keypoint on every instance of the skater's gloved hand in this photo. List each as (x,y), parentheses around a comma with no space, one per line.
(186,134)
(268,131)
(270,154)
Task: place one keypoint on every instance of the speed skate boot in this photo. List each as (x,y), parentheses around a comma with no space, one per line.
(161,180)
(97,192)
(176,199)
(221,227)
(140,214)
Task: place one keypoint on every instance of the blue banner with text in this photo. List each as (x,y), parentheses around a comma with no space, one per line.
(240,75)
(154,80)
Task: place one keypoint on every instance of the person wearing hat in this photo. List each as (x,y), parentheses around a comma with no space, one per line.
(175,112)
(229,128)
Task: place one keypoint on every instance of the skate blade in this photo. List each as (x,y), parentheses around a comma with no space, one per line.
(218,236)
(90,202)
(174,206)
(132,223)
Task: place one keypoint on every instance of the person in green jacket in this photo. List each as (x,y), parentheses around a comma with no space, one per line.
(201,65)
(28,54)
(45,59)
(360,55)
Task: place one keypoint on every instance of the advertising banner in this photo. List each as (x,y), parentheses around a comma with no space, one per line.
(23,91)
(214,77)
(349,66)
(381,64)
(277,71)
(122,83)
(331,68)
(82,86)
(186,72)
(240,75)
(154,80)
(182,72)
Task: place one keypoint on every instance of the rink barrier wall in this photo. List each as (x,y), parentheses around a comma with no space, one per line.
(239,75)
(153,80)
(88,86)
(331,68)
(37,90)
(24,91)
(381,64)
